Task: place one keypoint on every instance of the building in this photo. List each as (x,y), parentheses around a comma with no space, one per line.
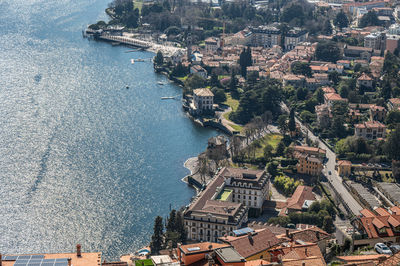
(192,253)
(301,200)
(295,36)
(377,113)
(375,40)
(372,259)
(308,164)
(344,168)
(323,115)
(199,71)
(331,98)
(294,80)
(376,226)
(370,130)
(249,187)
(313,151)
(252,245)
(392,42)
(265,36)
(356,52)
(223,206)
(217,148)
(365,81)
(296,253)
(212,44)
(203,100)
(312,234)
(394,104)
(228,256)
(78,258)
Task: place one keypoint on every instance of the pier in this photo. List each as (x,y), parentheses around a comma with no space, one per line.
(126,40)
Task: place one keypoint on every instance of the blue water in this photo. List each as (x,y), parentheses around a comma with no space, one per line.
(82,158)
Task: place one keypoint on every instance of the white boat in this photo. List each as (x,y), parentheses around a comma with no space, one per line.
(169,97)
(160,83)
(132,61)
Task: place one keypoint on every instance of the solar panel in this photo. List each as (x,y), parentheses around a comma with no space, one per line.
(39,261)
(10,257)
(243,231)
(193,248)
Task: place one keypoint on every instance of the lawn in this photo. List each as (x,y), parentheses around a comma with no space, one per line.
(233,103)
(147,262)
(138,5)
(269,139)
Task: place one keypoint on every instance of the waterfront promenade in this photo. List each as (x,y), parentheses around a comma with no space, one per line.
(131,39)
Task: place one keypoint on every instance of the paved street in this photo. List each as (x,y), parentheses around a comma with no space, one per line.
(334,179)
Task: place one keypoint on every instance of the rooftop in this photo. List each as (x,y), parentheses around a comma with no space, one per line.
(200,247)
(203,92)
(86,259)
(229,255)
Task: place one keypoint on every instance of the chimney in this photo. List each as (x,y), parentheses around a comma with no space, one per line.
(318,236)
(303,264)
(287,232)
(291,237)
(78,251)
(305,252)
(250,237)
(69,262)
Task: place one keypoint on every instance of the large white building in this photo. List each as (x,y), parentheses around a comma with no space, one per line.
(223,206)
(295,36)
(375,40)
(203,100)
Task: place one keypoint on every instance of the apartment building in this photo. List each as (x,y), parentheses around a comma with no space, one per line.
(223,206)
(370,130)
(265,36)
(294,37)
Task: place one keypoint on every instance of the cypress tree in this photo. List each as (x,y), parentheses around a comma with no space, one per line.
(157,237)
(292,122)
(171,226)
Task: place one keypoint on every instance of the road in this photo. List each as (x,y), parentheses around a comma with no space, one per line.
(334,179)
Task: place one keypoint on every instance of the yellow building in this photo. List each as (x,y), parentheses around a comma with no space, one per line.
(344,168)
(308,164)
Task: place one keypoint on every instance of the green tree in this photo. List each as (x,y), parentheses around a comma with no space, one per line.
(319,94)
(157,237)
(214,81)
(341,20)
(292,122)
(393,118)
(180,227)
(233,86)
(272,168)
(282,123)
(219,95)
(369,19)
(327,51)
(301,68)
(328,225)
(195,82)
(280,149)
(334,76)
(171,221)
(327,27)
(159,59)
(268,152)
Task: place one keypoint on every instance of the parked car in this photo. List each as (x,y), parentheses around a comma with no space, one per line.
(395,248)
(382,249)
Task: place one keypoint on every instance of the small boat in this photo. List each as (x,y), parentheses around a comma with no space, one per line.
(127,87)
(169,97)
(139,60)
(115,43)
(132,61)
(160,83)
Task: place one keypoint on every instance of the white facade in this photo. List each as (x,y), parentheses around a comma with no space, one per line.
(203,99)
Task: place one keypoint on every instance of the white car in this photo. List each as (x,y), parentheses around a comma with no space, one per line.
(382,249)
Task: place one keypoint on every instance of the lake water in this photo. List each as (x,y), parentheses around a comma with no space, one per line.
(82,158)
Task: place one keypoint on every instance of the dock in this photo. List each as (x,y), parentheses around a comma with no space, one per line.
(125,40)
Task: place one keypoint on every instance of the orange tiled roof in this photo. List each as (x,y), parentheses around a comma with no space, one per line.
(301,194)
(253,244)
